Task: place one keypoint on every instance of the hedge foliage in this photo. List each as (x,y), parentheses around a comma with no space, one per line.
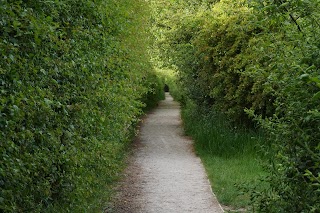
(73,74)
(257,62)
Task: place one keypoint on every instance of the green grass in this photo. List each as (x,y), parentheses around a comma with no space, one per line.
(227,174)
(231,155)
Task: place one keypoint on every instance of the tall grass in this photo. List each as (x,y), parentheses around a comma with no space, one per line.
(230,154)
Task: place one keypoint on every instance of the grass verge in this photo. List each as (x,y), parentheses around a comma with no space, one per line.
(230,155)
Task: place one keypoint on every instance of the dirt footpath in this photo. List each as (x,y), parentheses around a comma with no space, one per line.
(164,175)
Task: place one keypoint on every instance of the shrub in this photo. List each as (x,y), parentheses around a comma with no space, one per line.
(259,59)
(72,74)
(294,168)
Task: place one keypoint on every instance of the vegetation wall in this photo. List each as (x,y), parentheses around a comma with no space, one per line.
(258,63)
(73,74)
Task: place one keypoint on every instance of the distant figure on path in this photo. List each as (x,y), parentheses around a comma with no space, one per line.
(166,88)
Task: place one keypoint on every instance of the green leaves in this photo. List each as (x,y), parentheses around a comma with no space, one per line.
(71,90)
(260,59)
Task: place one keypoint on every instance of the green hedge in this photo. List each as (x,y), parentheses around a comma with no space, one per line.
(72,77)
(257,59)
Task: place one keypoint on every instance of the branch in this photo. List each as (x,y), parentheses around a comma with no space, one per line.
(295,21)
(292,18)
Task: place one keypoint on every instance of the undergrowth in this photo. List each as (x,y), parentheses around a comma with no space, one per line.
(231,155)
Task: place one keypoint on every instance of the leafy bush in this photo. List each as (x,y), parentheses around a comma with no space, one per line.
(72,74)
(294,126)
(155,83)
(210,48)
(259,59)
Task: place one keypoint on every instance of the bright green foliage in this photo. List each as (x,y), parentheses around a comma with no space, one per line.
(261,59)
(211,49)
(72,74)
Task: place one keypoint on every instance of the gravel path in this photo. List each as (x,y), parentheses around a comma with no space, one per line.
(164,175)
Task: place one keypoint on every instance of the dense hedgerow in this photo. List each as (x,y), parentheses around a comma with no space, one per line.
(260,59)
(293,77)
(72,77)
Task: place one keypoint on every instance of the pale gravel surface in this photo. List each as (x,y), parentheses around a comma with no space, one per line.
(164,174)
